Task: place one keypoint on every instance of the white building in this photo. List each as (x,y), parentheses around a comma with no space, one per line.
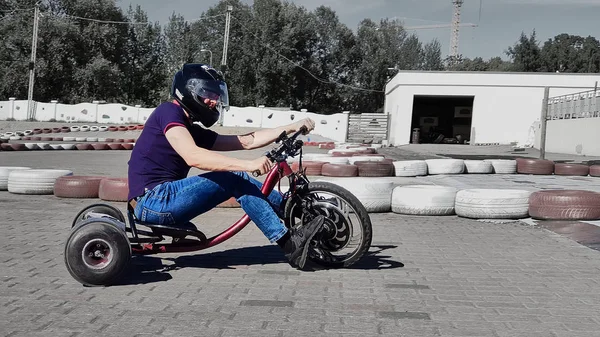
(482,107)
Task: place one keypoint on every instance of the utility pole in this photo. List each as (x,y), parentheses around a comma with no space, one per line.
(544,121)
(226,38)
(36,18)
(454,38)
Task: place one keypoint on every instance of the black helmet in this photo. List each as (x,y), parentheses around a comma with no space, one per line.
(195,86)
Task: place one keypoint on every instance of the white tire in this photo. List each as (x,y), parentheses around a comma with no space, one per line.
(478,166)
(352,160)
(375,194)
(445,166)
(94,128)
(15,138)
(44,146)
(424,200)
(56,147)
(31,146)
(410,168)
(102,140)
(103,128)
(19,133)
(9,134)
(84,128)
(335,160)
(315,156)
(28,132)
(91,139)
(68,139)
(79,139)
(68,146)
(492,204)
(74,128)
(5,171)
(503,166)
(34,181)
(341,151)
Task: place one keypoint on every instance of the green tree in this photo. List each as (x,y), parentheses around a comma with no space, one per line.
(432,56)
(526,54)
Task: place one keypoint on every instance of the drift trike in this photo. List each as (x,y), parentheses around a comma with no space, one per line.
(102,240)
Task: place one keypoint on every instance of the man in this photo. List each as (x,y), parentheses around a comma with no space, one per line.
(170,144)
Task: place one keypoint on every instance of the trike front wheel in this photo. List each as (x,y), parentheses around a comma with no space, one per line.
(347,232)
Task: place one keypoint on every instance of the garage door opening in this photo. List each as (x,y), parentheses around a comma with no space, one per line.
(442,119)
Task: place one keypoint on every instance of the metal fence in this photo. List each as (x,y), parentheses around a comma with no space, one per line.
(580,105)
(368,127)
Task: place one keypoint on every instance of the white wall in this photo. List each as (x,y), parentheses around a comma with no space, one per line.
(330,126)
(505,105)
(574,136)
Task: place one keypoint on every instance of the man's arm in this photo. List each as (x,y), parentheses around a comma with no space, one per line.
(258,139)
(182,142)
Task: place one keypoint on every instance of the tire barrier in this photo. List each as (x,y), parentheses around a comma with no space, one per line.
(74,128)
(91,139)
(68,146)
(65,129)
(478,167)
(374,168)
(57,139)
(122,128)
(17,147)
(313,168)
(445,166)
(103,128)
(564,205)
(34,181)
(535,166)
(80,139)
(100,146)
(352,160)
(424,200)
(374,194)
(46,130)
(140,127)
(55,130)
(44,146)
(84,128)
(113,189)
(115,146)
(335,160)
(127,146)
(571,169)
(69,139)
(46,139)
(94,128)
(410,168)
(130,140)
(35,131)
(84,147)
(56,147)
(113,128)
(5,171)
(82,187)
(31,146)
(131,127)
(492,204)
(595,170)
(339,170)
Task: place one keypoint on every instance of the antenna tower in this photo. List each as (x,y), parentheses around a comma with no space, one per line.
(455,28)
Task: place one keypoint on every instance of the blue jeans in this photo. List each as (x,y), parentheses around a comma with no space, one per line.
(175,203)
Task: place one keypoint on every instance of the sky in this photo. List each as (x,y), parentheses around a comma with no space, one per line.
(500,22)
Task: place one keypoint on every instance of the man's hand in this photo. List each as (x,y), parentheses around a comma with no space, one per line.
(309,123)
(260,165)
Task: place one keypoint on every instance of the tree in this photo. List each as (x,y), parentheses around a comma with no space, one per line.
(526,54)
(432,56)
(571,53)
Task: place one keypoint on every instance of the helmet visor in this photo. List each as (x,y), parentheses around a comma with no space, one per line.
(212,93)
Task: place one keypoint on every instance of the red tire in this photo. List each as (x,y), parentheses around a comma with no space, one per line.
(115,146)
(46,130)
(47,139)
(571,169)
(595,170)
(229,203)
(119,140)
(122,128)
(57,139)
(113,189)
(535,166)
(313,168)
(65,129)
(140,127)
(342,154)
(339,170)
(127,146)
(328,146)
(84,147)
(109,140)
(131,127)
(18,147)
(37,131)
(55,130)
(564,205)
(131,140)
(6,147)
(100,146)
(35,138)
(77,186)
(26,138)
(113,128)
(375,168)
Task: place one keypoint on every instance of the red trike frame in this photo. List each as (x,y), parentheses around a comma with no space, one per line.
(278,172)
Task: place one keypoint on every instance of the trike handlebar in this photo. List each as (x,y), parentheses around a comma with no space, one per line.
(289,147)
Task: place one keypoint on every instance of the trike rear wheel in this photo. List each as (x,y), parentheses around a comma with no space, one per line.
(97,252)
(347,232)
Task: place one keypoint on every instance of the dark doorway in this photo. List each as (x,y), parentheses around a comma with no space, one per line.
(442,119)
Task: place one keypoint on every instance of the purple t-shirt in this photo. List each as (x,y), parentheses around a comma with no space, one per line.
(153,160)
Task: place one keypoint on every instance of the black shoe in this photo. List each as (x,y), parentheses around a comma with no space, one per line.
(296,249)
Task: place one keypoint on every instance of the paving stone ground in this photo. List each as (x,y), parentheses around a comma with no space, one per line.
(424,276)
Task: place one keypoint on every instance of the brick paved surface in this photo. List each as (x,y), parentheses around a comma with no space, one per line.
(424,276)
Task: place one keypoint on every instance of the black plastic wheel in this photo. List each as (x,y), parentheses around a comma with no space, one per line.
(347,232)
(98,209)
(97,252)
